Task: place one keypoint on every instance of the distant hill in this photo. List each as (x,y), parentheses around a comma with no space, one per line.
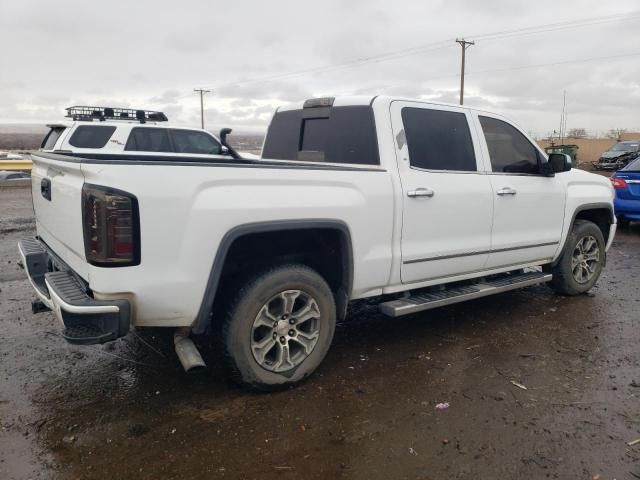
(246,143)
(20,141)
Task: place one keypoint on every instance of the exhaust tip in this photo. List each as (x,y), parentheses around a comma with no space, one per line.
(187,352)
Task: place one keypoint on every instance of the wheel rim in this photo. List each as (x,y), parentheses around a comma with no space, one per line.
(285,331)
(585,259)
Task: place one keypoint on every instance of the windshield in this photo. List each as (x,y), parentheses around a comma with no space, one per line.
(625,147)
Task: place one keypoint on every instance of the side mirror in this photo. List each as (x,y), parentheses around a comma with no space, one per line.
(560,162)
(224,150)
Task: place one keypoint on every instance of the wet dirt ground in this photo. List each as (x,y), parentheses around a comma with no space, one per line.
(126,410)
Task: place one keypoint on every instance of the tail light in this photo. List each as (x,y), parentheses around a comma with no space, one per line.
(618,182)
(111,227)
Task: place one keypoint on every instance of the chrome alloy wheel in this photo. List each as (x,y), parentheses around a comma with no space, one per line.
(285,331)
(585,259)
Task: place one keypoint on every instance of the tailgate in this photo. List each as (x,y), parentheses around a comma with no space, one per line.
(56,188)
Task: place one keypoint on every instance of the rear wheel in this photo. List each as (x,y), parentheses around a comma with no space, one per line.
(581,261)
(279,327)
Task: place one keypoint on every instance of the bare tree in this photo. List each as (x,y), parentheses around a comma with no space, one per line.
(577,133)
(616,133)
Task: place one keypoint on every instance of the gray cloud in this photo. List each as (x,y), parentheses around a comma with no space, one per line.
(159,51)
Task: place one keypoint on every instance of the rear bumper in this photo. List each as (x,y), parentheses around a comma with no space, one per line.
(86,320)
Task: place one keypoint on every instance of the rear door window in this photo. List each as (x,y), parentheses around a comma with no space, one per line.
(438,140)
(337,135)
(149,139)
(509,150)
(51,138)
(91,136)
(193,141)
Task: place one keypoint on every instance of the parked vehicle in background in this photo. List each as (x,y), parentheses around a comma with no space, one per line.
(618,156)
(626,183)
(414,203)
(8,175)
(112,133)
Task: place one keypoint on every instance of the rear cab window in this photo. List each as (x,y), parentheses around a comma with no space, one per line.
(344,134)
(91,136)
(438,140)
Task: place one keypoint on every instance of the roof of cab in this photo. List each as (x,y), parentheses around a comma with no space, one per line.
(352,100)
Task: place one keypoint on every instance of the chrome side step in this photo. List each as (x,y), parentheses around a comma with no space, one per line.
(426,300)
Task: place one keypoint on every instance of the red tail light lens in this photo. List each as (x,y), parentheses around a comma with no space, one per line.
(111,227)
(618,183)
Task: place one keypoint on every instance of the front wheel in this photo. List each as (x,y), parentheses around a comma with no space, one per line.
(279,327)
(581,261)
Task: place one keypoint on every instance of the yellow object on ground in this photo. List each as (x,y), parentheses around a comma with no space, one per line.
(15,165)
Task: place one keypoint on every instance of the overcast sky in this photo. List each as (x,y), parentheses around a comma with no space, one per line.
(152,53)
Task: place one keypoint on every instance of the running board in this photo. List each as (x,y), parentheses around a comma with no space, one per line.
(426,300)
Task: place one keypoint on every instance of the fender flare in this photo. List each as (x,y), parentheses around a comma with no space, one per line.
(199,325)
(582,208)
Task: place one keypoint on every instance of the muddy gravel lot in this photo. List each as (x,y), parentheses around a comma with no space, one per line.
(538,386)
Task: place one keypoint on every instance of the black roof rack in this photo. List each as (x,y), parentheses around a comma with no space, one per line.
(111,113)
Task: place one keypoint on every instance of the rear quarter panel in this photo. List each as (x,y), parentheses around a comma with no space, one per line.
(185,211)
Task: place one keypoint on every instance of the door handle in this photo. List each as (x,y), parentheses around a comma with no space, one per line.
(421,192)
(506,191)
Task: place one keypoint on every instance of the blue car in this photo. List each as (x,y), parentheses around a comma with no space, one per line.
(626,183)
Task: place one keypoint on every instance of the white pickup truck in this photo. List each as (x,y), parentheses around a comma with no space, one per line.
(417,204)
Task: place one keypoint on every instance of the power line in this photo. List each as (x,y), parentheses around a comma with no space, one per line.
(524,67)
(536,29)
(562,62)
(586,22)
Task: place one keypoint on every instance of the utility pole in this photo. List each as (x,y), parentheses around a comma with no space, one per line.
(464,44)
(563,117)
(202,91)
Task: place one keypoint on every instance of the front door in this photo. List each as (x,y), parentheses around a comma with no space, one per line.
(528,206)
(446,196)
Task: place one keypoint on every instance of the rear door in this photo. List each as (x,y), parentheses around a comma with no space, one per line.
(57,201)
(528,206)
(446,197)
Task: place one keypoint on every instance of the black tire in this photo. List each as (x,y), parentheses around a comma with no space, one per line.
(239,327)
(564,279)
